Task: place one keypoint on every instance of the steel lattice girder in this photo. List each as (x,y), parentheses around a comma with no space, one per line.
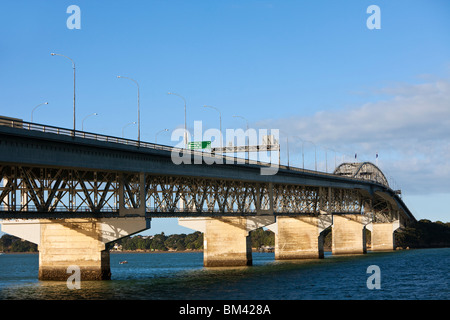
(38,190)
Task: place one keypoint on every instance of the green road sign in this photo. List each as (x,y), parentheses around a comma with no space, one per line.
(199,145)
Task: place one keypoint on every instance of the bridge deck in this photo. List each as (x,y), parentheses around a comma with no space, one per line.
(26,148)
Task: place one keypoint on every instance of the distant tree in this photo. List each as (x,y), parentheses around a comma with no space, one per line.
(261,237)
(175,242)
(424,234)
(6,241)
(158,242)
(11,243)
(194,241)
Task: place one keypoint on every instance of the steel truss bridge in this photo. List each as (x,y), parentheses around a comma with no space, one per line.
(51,172)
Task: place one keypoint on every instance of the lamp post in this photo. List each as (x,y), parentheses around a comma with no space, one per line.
(134,122)
(315,153)
(35,108)
(303,153)
(334,156)
(287,146)
(82,122)
(326,158)
(156,135)
(138,107)
(242,118)
(247,133)
(185,128)
(73,65)
(220,124)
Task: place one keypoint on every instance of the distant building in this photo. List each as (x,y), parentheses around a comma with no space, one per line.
(117,247)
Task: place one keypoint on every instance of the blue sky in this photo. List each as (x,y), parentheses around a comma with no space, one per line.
(310,68)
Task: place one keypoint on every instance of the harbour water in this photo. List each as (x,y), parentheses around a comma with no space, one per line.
(417,274)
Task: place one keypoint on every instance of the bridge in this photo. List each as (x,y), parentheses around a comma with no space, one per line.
(73,192)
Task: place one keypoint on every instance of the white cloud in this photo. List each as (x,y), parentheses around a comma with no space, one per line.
(409,127)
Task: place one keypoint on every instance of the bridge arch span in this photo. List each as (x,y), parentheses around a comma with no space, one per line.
(362,170)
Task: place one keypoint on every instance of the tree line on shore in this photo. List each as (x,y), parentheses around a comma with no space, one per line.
(181,242)
(423,234)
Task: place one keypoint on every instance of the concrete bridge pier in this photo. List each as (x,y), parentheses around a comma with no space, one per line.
(73,242)
(79,242)
(348,234)
(227,243)
(300,237)
(383,238)
(226,240)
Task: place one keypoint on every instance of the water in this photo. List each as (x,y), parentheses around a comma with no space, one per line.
(421,274)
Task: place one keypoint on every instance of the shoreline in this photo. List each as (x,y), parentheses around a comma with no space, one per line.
(198,251)
(156,251)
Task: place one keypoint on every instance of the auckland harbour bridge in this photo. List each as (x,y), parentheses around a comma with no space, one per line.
(73,192)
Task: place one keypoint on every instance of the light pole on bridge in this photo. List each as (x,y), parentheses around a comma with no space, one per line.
(315,152)
(73,65)
(247,133)
(82,122)
(156,135)
(138,107)
(134,122)
(185,127)
(287,147)
(303,153)
(220,124)
(35,109)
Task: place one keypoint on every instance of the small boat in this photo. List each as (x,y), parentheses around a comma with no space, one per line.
(123,262)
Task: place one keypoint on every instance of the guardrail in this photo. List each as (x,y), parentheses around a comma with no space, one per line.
(18,123)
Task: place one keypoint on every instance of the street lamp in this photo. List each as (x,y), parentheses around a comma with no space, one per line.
(185,128)
(138,110)
(287,146)
(315,152)
(303,153)
(156,135)
(247,133)
(134,122)
(326,160)
(35,108)
(242,118)
(82,122)
(220,121)
(73,65)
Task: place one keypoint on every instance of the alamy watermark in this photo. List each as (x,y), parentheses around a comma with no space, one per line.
(251,138)
(374,280)
(74,20)
(74,280)
(374,21)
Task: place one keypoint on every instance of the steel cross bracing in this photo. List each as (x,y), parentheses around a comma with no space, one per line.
(31,191)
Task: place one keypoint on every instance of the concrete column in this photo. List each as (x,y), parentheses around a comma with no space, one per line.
(74,242)
(299,237)
(226,240)
(348,234)
(383,235)
(227,243)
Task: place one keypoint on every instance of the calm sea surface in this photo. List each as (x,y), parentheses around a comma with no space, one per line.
(408,275)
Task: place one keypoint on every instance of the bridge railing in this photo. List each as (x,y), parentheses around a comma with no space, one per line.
(19,123)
